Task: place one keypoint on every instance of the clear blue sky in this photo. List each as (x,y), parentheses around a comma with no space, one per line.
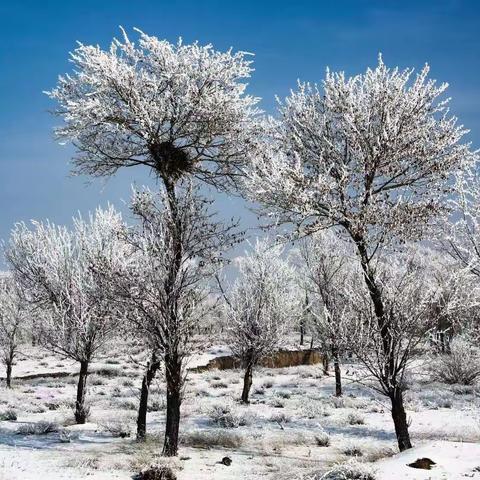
(291,39)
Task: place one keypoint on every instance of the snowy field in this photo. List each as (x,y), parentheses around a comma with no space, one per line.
(293,428)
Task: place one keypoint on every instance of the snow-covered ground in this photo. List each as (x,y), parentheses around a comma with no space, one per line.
(280,435)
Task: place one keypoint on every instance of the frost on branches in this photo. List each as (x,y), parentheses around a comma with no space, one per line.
(328,266)
(56,267)
(163,287)
(372,154)
(259,307)
(13,317)
(178,109)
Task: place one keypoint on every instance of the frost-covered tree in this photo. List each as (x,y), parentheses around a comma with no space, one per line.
(180,110)
(261,306)
(372,155)
(328,265)
(164,286)
(13,316)
(413,305)
(56,266)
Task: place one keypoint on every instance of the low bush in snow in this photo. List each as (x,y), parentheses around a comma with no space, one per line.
(355,418)
(461,366)
(211,439)
(8,415)
(322,439)
(39,428)
(351,470)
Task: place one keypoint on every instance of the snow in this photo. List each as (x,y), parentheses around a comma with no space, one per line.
(272,438)
(453,461)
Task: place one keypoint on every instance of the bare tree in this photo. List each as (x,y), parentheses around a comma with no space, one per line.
(328,265)
(164,287)
(56,268)
(260,307)
(13,316)
(180,110)
(371,154)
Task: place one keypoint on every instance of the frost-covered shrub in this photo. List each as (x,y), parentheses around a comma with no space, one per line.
(117,429)
(157,472)
(226,416)
(280,418)
(353,451)
(355,418)
(351,470)
(8,415)
(211,438)
(322,439)
(39,428)
(461,366)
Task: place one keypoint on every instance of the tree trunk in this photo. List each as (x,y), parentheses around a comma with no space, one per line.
(302,330)
(152,368)
(400,420)
(389,373)
(326,364)
(247,382)
(81,412)
(173,373)
(338,374)
(9,374)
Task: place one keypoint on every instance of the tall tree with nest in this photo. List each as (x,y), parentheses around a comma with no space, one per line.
(180,110)
(372,155)
(165,307)
(56,267)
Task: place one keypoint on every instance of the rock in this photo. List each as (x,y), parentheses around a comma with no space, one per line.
(226,461)
(422,463)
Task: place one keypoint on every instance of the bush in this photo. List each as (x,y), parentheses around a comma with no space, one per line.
(157,472)
(224,416)
(353,451)
(351,470)
(117,429)
(322,439)
(355,419)
(211,438)
(8,415)
(39,428)
(461,366)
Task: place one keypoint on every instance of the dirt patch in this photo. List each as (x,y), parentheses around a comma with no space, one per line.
(280,359)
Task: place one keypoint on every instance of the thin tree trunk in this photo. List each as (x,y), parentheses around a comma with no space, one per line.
(326,363)
(9,374)
(152,368)
(173,373)
(81,411)
(247,382)
(302,330)
(338,374)
(400,420)
(389,373)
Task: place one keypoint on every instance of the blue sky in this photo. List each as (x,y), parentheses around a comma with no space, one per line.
(290,40)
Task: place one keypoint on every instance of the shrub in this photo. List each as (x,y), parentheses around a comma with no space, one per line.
(355,418)
(117,429)
(39,428)
(351,470)
(353,451)
(211,438)
(322,439)
(226,417)
(8,415)
(461,366)
(157,472)
(280,418)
